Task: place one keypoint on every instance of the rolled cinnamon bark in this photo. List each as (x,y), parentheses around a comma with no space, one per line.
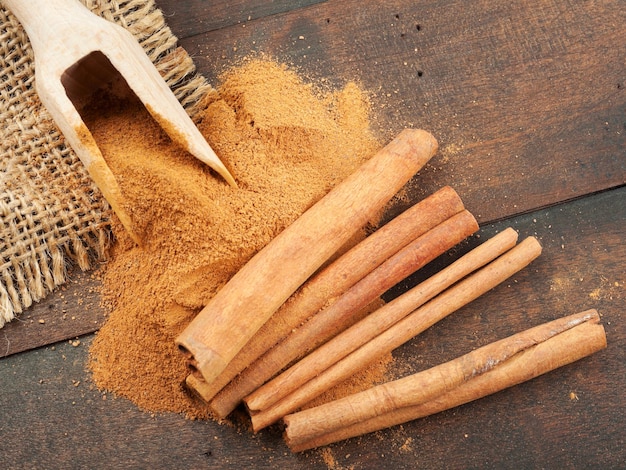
(444,304)
(331,282)
(254,293)
(343,312)
(484,371)
(380,320)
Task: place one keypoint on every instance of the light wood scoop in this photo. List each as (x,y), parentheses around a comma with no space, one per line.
(76,53)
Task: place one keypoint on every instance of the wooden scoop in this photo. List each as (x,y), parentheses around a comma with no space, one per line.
(77,53)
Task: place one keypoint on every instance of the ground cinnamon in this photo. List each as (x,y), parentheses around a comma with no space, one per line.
(237,311)
(344,311)
(287,144)
(331,282)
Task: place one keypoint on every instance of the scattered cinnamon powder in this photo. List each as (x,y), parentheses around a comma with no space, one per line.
(286,142)
(331,461)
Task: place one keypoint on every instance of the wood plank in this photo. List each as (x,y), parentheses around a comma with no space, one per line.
(70,311)
(198,16)
(581,267)
(528,102)
(527,99)
(565,158)
(46,394)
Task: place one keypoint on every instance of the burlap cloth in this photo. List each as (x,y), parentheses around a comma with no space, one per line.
(52,214)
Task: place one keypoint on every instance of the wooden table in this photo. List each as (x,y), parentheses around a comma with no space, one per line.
(528,102)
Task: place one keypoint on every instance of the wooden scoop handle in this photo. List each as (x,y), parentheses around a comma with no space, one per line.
(53,25)
(78,52)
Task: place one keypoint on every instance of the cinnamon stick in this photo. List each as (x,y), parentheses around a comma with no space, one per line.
(484,371)
(334,280)
(345,310)
(381,320)
(444,304)
(254,293)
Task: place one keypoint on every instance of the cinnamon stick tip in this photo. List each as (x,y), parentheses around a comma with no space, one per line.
(294,443)
(508,236)
(219,409)
(603,344)
(533,245)
(192,385)
(472,223)
(587,316)
(192,381)
(510,230)
(201,359)
(420,140)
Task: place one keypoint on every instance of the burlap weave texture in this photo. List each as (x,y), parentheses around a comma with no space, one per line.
(51,213)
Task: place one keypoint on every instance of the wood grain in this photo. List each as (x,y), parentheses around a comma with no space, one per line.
(70,311)
(570,418)
(527,99)
(198,16)
(528,102)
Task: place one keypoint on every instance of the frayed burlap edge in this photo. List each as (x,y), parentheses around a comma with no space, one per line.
(52,215)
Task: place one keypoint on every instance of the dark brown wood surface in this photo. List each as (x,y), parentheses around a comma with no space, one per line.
(528,102)
(525,98)
(68,312)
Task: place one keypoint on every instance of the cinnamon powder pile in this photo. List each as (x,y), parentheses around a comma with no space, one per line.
(287,144)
